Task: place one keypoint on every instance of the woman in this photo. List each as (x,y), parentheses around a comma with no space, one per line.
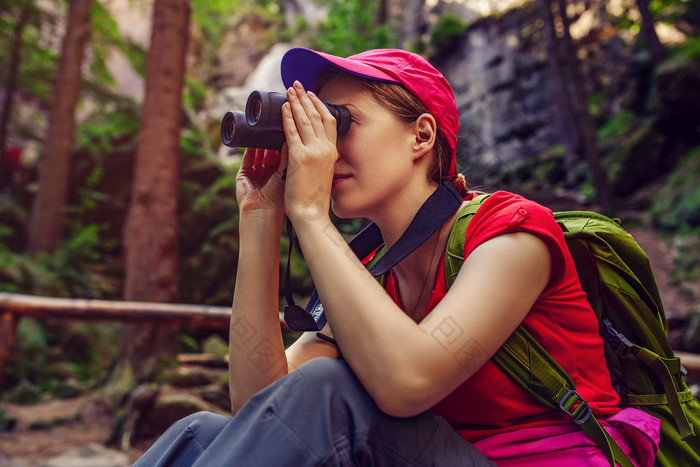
(414,357)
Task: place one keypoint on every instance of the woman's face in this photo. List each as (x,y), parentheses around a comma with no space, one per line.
(374,158)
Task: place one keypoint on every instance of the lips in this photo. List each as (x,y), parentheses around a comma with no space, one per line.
(337,178)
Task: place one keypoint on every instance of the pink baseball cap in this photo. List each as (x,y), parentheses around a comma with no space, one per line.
(390,65)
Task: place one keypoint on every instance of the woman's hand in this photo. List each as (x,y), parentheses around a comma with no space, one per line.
(310,131)
(259,184)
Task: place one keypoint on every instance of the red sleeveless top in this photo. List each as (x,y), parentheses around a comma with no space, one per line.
(561,320)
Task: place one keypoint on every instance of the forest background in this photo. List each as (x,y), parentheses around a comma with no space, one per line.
(114,194)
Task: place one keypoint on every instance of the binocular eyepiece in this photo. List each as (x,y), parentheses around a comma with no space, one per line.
(260,126)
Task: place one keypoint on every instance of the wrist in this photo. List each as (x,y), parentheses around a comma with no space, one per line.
(309,214)
(260,223)
(305,223)
(260,216)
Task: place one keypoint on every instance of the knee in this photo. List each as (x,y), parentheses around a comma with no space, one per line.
(202,420)
(185,440)
(325,375)
(324,370)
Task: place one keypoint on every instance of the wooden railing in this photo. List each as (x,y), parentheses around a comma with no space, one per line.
(13,307)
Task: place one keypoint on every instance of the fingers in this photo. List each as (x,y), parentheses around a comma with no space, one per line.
(270,160)
(248,159)
(259,164)
(266,163)
(312,118)
(329,122)
(259,154)
(290,128)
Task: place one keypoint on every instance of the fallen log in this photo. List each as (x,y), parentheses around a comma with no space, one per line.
(16,306)
(114,310)
(203,359)
(690,361)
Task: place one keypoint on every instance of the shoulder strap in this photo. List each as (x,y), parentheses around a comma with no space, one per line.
(527,363)
(454,250)
(434,212)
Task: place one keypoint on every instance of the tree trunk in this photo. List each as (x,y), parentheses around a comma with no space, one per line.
(589,141)
(8,335)
(562,102)
(46,225)
(150,234)
(658,51)
(10,87)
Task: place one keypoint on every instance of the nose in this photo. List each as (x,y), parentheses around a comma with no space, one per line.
(338,147)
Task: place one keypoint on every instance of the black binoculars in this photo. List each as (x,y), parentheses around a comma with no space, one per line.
(260,126)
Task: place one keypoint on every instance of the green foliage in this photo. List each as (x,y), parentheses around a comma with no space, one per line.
(194,139)
(351,27)
(47,353)
(671,11)
(617,127)
(194,93)
(76,251)
(38,49)
(446,29)
(677,203)
(691,48)
(104,32)
(687,258)
(663,11)
(210,16)
(545,171)
(72,271)
(208,240)
(213,22)
(105,37)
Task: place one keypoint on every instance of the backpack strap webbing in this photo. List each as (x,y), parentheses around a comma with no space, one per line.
(527,363)
(659,366)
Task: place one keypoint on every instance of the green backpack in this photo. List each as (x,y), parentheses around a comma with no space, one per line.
(616,275)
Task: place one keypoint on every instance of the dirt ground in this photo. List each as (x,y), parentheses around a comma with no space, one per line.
(50,428)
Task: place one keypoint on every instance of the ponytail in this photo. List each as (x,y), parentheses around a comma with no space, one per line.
(460,184)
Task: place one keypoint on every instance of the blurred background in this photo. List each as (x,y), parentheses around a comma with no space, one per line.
(114,183)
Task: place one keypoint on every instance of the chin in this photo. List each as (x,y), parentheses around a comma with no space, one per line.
(340,213)
(344,210)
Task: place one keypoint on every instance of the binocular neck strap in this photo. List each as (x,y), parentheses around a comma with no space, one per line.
(434,212)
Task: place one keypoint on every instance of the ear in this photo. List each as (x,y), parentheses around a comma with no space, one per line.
(424,133)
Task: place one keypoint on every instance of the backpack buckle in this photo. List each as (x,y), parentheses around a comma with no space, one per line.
(620,344)
(575,407)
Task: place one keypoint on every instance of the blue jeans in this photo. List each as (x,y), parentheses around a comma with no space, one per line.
(318,415)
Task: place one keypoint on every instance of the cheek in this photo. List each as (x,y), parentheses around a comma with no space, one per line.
(376,154)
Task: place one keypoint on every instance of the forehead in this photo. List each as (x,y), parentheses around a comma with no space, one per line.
(344,88)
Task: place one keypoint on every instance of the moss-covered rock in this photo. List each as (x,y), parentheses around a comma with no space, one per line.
(677,86)
(191,376)
(215,345)
(677,203)
(167,409)
(24,393)
(639,159)
(216,394)
(7,421)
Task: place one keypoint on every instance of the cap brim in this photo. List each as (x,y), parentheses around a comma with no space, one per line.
(306,66)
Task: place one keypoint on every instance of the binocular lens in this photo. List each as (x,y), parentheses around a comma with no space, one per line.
(260,126)
(228,128)
(257,110)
